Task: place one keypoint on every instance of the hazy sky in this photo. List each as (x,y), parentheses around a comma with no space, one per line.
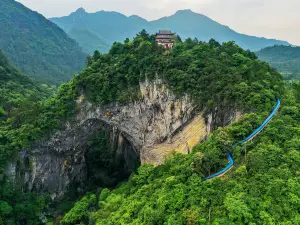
(278,19)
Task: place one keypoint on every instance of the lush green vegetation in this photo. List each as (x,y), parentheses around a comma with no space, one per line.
(17,93)
(17,207)
(263,187)
(285,59)
(185,23)
(81,209)
(15,87)
(36,46)
(32,120)
(18,102)
(214,75)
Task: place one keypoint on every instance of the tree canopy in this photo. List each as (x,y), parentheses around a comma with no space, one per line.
(219,74)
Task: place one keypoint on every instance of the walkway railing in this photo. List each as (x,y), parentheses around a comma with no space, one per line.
(249,138)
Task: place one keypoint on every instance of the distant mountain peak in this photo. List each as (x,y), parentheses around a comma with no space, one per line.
(190,14)
(137,18)
(79,14)
(185,11)
(80,10)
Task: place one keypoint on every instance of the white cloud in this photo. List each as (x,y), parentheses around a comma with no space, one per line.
(270,18)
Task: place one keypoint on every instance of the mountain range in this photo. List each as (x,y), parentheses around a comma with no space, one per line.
(113,26)
(36,46)
(52,53)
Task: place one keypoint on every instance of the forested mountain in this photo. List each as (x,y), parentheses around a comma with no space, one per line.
(89,42)
(36,46)
(112,26)
(263,186)
(285,59)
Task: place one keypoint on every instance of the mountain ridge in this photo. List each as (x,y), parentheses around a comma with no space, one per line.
(185,23)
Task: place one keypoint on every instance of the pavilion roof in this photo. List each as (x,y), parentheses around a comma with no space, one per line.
(165,32)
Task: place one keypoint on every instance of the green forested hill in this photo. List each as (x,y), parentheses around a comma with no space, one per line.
(36,46)
(15,87)
(184,22)
(285,59)
(263,187)
(213,75)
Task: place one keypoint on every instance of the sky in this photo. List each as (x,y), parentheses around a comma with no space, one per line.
(263,18)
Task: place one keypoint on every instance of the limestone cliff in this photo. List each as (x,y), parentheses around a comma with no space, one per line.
(142,131)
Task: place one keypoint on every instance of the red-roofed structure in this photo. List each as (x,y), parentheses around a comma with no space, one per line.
(165,38)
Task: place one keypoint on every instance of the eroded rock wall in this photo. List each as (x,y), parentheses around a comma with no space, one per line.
(148,127)
(151,120)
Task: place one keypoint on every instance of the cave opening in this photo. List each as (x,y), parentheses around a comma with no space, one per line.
(110,158)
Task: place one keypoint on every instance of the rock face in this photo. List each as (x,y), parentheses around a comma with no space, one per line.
(151,120)
(59,163)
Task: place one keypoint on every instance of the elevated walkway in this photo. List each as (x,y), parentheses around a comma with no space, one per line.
(249,138)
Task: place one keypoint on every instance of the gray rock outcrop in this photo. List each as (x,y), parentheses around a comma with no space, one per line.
(58,163)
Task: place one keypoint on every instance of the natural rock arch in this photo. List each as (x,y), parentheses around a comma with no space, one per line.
(151,126)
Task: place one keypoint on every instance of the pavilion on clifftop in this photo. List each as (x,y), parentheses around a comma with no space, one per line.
(165,38)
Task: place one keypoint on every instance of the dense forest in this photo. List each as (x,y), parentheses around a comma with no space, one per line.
(285,59)
(15,87)
(36,46)
(213,75)
(18,94)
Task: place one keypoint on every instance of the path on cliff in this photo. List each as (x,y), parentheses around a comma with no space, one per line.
(249,138)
